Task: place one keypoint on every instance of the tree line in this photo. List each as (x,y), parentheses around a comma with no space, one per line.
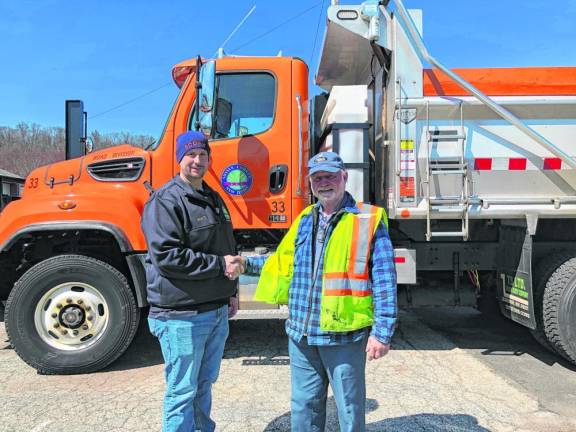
(29,145)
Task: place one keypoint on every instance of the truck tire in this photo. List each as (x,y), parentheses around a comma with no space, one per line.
(559,309)
(71,314)
(542,273)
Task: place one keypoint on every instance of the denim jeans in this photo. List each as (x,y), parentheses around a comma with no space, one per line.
(312,368)
(192,348)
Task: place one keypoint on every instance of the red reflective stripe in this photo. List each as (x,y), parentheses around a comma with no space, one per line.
(552,163)
(482,164)
(400,260)
(517,164)
(345,275)
(347,292)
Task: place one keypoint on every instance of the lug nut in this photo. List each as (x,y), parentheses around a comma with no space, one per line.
(88,307)
(64,332)
(79,301)
(89,317)
(59,306)
(56,325)
(84,327)
(75,332)
(68,300)
(54,315)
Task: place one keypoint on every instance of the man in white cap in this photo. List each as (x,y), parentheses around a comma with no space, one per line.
(335,270)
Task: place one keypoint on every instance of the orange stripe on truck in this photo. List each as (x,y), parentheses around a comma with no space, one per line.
(530,81)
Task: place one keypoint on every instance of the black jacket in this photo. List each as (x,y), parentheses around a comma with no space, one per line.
(188,232)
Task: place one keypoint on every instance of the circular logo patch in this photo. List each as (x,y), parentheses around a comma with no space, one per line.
(236,179)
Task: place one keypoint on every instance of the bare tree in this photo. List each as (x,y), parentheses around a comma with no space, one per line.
(28,146)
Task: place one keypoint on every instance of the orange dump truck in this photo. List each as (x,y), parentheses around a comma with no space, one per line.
(474,168)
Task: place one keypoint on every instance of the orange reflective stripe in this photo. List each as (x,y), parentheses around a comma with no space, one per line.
(347,292)
(362,234)
(345,275)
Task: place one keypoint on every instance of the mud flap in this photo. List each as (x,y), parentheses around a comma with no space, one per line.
(515,275)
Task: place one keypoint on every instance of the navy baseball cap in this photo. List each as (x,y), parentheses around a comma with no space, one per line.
(188,141)
(325,161)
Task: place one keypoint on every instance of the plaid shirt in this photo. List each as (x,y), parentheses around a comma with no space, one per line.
(304,294)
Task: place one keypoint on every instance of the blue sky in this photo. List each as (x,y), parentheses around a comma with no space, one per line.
(108,53)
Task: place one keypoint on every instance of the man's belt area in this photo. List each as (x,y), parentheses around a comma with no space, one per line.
(199,308)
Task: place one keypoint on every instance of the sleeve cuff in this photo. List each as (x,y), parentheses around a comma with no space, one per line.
(380,337)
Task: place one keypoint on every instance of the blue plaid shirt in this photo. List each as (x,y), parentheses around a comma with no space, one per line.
(305,293)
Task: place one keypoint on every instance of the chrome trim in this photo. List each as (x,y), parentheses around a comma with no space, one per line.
(113,165)
(118,234)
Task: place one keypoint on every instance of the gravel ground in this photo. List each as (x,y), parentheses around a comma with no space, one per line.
(426,383)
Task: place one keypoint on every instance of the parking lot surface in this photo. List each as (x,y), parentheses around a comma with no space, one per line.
(426,383)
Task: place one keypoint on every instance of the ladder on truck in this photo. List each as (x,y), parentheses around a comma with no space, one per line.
(453,165)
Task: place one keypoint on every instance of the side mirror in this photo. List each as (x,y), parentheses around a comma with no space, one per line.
(206,87)
(223,117)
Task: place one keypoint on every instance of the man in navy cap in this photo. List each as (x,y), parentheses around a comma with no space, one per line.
(191,272)
(335,270)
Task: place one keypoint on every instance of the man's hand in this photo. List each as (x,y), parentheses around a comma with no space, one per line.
(232,306)
(376,349)
(234,266)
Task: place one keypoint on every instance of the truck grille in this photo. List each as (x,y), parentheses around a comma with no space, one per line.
(128,169)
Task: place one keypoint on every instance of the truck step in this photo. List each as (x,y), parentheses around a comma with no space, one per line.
(448,171)
(451,208)
(448,234)
(446,137)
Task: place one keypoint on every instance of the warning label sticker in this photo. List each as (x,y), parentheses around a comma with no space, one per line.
(407,172)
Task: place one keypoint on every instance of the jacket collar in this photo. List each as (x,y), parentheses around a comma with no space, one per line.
(190,191)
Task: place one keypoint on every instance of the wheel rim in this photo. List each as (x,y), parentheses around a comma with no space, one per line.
(71,316)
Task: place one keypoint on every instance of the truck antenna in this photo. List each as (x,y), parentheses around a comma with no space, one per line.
(221,49)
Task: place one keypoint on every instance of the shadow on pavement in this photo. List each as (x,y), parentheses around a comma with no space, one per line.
(412,423)
(488,332)
(258,342)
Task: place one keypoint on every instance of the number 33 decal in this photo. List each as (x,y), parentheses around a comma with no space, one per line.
(33,183)
(278,207)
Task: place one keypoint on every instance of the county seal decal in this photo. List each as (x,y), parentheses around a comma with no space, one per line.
(236,179)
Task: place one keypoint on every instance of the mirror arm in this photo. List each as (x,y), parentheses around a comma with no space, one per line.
(198,87)
(300,149)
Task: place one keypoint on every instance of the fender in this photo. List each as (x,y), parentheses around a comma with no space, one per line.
(119,215)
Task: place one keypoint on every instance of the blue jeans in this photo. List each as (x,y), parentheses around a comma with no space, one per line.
(192,348)
(312,368)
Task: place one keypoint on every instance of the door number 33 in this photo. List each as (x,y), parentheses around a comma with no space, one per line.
(278,207)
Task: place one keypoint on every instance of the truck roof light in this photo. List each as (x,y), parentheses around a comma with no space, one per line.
(180,73)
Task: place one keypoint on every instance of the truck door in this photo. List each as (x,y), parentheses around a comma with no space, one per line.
(252,159)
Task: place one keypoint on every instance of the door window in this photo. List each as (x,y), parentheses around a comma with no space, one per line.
(247,100)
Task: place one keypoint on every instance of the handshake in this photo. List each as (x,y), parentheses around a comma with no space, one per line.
(235,265)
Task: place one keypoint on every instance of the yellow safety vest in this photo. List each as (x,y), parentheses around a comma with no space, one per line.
(346,301)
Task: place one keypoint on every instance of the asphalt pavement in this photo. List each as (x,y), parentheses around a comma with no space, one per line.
(449,370)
